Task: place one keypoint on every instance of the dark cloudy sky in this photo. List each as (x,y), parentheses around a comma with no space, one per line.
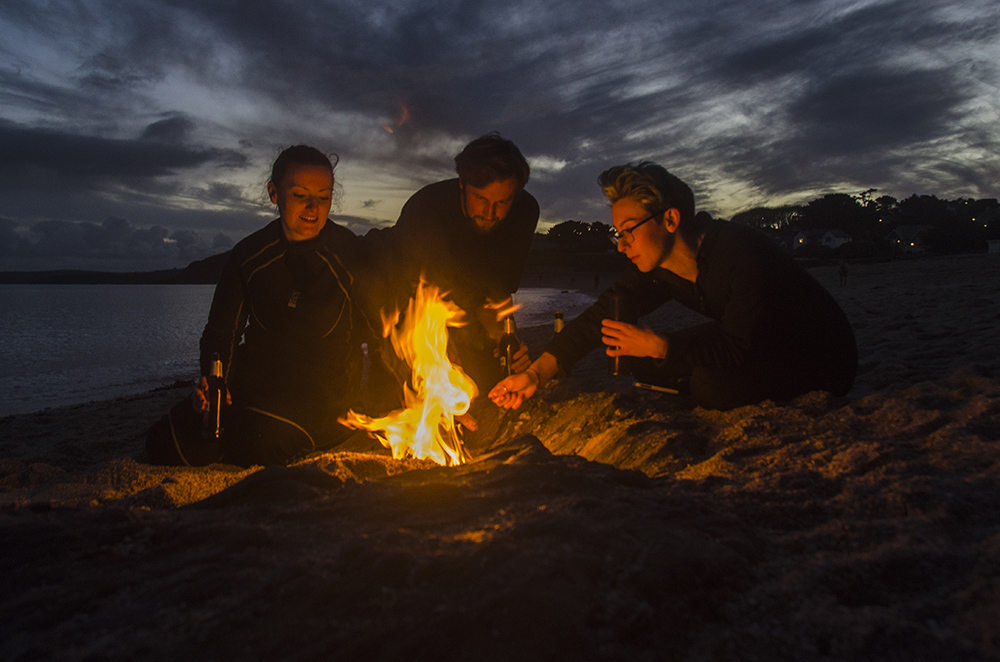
(138,134)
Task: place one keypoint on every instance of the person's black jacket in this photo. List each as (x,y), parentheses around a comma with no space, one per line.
(772,319)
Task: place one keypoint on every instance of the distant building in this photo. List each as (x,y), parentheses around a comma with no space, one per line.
(835,238)
(908,238)
(993,246)
(831,239)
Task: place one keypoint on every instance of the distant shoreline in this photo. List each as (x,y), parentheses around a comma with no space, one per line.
(202,272)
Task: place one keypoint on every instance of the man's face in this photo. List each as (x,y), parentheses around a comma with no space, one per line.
(489,205)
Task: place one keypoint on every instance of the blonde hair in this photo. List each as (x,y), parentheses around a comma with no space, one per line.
(650,185)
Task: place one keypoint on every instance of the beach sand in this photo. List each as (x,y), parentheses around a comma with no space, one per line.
(597,522)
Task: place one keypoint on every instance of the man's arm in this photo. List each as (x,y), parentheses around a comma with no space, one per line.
(512,391)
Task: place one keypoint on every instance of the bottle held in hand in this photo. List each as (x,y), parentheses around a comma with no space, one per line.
(216,393)
(619,310)
(509,344)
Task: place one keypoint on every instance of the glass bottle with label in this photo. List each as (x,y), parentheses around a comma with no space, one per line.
(509,344)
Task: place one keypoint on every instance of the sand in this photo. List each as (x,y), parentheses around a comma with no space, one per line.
(597,522)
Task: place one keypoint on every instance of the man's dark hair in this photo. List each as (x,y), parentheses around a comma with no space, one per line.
(489,159)
(300,155)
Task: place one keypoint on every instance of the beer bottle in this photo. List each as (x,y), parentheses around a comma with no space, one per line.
(216,393)
(619,310)
(559,324)
(509,344)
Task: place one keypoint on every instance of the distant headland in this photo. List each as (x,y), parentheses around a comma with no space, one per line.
(200,272)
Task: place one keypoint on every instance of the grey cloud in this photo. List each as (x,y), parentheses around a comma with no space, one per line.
(87,156)
(359,225)
(174,129)
(867,111)
(228,195)
(114,239)
(222,242)
(8,237)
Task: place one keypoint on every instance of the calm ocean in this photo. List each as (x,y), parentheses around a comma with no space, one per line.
(68,344)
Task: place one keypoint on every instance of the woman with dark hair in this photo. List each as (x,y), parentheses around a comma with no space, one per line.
(775,332)
(286,325)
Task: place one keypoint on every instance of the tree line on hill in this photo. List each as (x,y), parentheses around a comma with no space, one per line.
(963,225)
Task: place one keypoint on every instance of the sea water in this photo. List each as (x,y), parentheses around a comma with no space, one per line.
(68,344)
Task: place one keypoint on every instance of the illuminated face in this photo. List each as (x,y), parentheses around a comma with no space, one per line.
(489,205)
(649,245)
(303,197)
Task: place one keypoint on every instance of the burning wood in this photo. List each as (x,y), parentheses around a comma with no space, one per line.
(438,390)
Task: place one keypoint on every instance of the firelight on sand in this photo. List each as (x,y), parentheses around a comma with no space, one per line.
(438,391)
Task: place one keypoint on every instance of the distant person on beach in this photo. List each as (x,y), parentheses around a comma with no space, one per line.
(775,333)
(286,323)
(470,236)
(843,273)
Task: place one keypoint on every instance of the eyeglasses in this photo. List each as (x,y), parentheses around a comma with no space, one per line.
(617,236)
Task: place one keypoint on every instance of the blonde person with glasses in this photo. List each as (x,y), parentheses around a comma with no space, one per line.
(774,331)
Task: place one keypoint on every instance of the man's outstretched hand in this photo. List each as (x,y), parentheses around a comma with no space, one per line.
(513,390)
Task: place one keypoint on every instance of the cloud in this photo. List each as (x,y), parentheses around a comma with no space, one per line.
(8,237)
(173,129)
(868,111)
(113,240)
(168,113)
(89,157)
(359,225)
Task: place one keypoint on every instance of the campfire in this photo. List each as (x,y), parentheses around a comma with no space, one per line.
(438,390)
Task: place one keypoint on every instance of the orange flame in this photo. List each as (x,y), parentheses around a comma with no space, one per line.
(440,391)
(504,308)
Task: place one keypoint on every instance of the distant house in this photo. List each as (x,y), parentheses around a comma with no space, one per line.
(835,238)
(908,238)
(829,238)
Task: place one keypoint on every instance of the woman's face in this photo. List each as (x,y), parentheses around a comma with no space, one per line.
(303,197)
(650,243)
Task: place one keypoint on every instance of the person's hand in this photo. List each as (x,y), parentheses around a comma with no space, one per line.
(624,339)
(521,359)
(199,396)
(514,390)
